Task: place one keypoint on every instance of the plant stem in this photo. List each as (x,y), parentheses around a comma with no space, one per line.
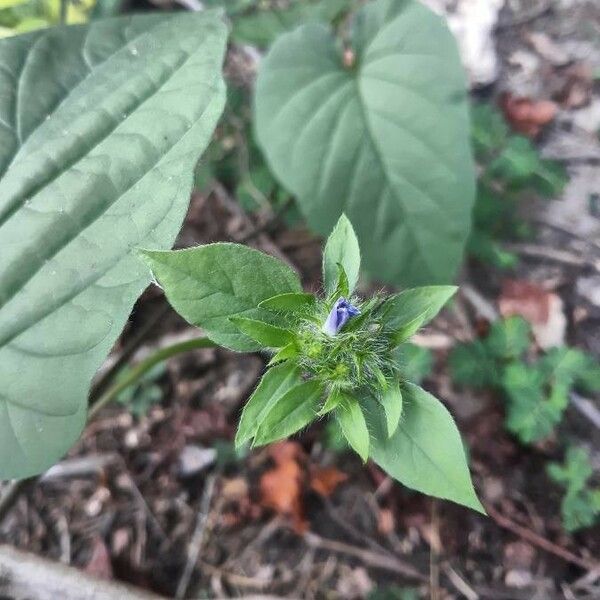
(143,367)
(64,7)
(14,488)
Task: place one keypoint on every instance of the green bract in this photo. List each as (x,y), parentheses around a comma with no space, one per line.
(380,131)
(100,127)
(331,355)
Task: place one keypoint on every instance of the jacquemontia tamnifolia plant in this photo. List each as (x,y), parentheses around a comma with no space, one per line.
(330,355)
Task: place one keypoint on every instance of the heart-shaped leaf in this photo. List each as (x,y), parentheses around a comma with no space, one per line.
(100,127)
(382,136)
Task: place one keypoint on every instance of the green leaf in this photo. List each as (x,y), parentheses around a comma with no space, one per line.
(489,130)
(274,384)
(332,402)
(4,4)
(570,366)
(100,127)
(261,27)
(485,248)
(426,452)
(265,334)
(509,338)
(296,409)
(580,506)
(353,425)
(341,249)
(414,362)
(210,284)
(385,140)
(292,302)
(471,364)
(287,352)
(342,289)
(409,310)
(530,415)
(391,401)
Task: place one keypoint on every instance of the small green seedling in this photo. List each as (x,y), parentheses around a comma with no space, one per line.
(334,355)
(536,392)
(580,506)
(510,169)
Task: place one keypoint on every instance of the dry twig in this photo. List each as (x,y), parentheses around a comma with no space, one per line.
(372,559)
(539,541)
(198,537)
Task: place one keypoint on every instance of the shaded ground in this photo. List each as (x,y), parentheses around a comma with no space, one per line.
(138,495)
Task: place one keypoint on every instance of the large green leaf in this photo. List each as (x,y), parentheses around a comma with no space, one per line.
(426,452)
(210,284)
(100,127)
(385,140)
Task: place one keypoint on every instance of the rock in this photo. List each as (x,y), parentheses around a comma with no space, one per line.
(473,23)
(589,289)
(518,578)
(548,49)
(519,556)
(194,459)
(575,212)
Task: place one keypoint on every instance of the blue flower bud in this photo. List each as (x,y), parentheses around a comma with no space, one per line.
(340,314)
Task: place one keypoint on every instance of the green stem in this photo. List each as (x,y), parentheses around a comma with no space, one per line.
(64,6)
(143,367)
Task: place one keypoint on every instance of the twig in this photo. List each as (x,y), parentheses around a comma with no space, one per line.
(561,229)
(81,466)
(372,559)
(13,490)
(359,536)
(434,567)
(532,15)
(539,541)
(587,408)
(481,305)
(198,537)
(240,581)
(553,254)
(459,583)
(25,575)
(268,223)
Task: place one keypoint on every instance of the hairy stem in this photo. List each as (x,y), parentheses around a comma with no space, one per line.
(143,367)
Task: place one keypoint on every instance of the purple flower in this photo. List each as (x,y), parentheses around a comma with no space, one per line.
(340,314)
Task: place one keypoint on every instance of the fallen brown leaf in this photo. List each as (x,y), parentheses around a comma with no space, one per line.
(386,522)
(544,310)
(527,116)
(325,480)
(281,487)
